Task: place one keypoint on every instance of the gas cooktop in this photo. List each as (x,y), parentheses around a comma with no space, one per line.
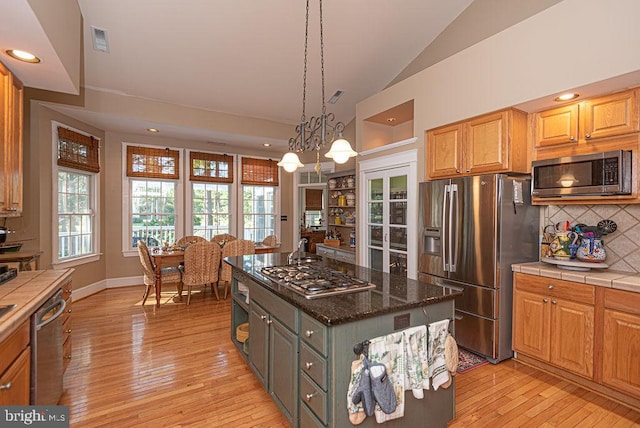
(314,280)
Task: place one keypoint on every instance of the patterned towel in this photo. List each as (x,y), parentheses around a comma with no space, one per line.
(390,351)
(417,359)
(438,372)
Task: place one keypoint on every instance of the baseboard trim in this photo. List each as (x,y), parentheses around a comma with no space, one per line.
(96,287)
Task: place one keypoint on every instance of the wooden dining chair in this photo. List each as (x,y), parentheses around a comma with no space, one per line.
(270,241)
(201,266)
(189,239)
(223,238)
(169,274)
(238,247)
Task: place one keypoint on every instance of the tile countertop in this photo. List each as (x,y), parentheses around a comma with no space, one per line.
(392,294)
(600,277)
(28,291)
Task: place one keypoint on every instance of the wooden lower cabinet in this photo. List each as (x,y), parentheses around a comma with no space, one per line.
(621,342)
(15,364)
(587,334)
(552,329)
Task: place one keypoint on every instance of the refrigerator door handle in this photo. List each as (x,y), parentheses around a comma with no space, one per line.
(445,240)
(453,252)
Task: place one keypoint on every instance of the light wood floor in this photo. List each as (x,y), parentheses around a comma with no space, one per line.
(175,366)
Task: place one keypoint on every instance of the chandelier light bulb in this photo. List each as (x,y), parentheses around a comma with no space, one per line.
(290,162)
(341,151)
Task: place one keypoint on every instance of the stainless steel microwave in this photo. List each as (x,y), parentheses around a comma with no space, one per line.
(597,174)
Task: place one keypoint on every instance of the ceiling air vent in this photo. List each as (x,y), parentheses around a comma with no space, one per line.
(336,96)
(100,39)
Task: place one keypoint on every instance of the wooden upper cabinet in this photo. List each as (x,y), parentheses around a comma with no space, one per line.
(611,115)
(491,143)
(576,124)
(557,126)
(444,151)
(11,93)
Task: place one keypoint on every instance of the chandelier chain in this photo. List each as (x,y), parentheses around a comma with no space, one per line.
(304,78)
(324,106)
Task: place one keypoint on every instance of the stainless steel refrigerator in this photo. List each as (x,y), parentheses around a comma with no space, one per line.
(472,230)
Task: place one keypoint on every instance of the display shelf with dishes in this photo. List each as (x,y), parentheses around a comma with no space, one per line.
(341,207)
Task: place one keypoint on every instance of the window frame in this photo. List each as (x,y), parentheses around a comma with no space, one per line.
(233,193)
(240,199)
(127,227)
(94,200)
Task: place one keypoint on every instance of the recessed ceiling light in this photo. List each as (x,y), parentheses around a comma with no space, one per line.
(23,56)
(567,97)
(266,144)
(152,130)
(391,119)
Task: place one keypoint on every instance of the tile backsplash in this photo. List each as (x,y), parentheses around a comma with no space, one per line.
(623,245)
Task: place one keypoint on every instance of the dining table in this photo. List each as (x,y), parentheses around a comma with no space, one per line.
(161,259)
(167,258)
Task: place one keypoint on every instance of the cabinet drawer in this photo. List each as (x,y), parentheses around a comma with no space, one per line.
(556,288)
(66,353)
(313,365)
(314,398)
(321,250)
(16,381)
(307,419)
(284,312)
(12,346)
(314,333)
(624,301)
(345,256)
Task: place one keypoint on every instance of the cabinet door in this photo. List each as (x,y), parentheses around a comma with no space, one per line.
(14,149)
(557,126)
(5,120)
(14,382)
(258,345)
(621,349)
(611,115)
(444,151)
(486,146)
(531,324)
(283,368)
(572,333)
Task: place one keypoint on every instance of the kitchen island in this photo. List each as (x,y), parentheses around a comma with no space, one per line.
(302,349)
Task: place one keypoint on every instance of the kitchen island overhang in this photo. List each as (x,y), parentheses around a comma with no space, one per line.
(302,349)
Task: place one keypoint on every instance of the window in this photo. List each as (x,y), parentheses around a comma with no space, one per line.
(210,175)
(75,195)
(259,204)
(152,199)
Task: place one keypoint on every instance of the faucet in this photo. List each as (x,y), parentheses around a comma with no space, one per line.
(291,254)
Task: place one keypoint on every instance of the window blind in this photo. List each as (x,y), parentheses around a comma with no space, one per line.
(78,151)
(259,172)
(152,162)
(210,167)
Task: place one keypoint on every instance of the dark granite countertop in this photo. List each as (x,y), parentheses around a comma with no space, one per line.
(393,293)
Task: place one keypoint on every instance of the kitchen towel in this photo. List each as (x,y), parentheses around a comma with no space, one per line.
(390,351)
(417,358)
(438,372)
(356,411)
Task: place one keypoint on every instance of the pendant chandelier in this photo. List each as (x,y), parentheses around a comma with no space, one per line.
(315,133)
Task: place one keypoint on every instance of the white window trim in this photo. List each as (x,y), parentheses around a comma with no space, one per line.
(240,199)
(126,206)
(188,202)
(95,254)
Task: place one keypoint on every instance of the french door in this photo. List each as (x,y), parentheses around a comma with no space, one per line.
(387,231)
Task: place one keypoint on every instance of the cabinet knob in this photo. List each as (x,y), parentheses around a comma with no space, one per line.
(553,302)
(68,311)
(68,331)
(572,138)
(68,356)
(550,287)
(545,300)
(308,365)
(468,170)
(587,135)
(269,322)
(458,171)
(263,317)
(308,397)
(308,333)
(7,385)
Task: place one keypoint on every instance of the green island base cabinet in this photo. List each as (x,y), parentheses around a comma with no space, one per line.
(301,349)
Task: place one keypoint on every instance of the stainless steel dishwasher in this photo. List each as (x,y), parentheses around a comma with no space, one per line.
(46,348)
